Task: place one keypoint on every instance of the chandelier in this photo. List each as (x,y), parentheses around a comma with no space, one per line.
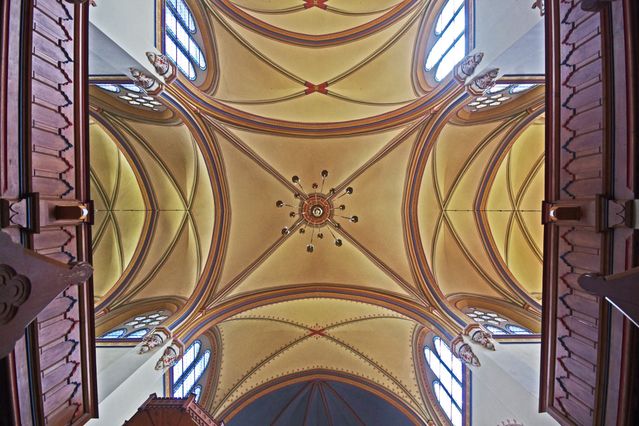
(317,211)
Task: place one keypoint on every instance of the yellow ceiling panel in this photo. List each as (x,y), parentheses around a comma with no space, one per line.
(387,77)
(378,202)
(203,209)
(316,311)
(313,20)
(306,158)
(273,5)
(453,150)
(108,265)
(255,221)
(105,159)
(292,265)
(177,272)
(170,151)
(318,65)
(525,154)
(317,353)
(396,352)
(454,270)
(523,258)
(243,349)
(245,77)
(316,108)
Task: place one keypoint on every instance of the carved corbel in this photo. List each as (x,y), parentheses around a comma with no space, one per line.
(145,82)
(163,66)
(483,82)
(464,352)
(479,336)
(154,339)
(171,355)
(467,66)
(541,5)
(23,213)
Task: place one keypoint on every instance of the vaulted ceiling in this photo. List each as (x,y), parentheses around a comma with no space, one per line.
(447,199)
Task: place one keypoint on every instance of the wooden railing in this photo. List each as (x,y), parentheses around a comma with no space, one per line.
(44,181)
(585,227)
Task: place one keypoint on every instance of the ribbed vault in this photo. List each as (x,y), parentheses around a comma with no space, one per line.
(447,201)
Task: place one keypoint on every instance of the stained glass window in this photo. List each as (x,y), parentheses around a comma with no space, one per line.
(114,334)
(187,371)
(449,383)
(450,45)
(113,88)
(137,334)
(133,95)
(138,326)
(494,323)
(179,44)
(498,94)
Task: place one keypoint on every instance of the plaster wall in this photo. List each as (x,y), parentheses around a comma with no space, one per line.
(121,33)
(125,381)
(511,35)
(506,386)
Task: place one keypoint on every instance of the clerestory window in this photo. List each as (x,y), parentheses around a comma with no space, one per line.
(179,43)
(450,39)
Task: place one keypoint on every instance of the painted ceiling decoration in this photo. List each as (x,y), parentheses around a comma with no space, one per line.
(317,211)
(154,214)
(305,107)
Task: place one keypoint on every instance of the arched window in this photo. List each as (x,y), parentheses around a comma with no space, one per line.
(132,94)
(114,334)
(138,334)
(450,35)
(496,324)
(499,94)
(449,383)
(113,88)
(187,371)
(179,44)
(138,326)
(515,329)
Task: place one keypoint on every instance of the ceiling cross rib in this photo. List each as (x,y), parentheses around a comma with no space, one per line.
(315,3)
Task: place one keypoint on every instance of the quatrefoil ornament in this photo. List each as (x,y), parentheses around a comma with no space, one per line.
(14,291)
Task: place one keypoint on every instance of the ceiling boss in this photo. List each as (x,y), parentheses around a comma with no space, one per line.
(317,210)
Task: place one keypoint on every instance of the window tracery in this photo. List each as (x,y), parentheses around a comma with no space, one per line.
(495,323)
(114,334)
(179,43)
(133,95)
(188,371)
(449,383)
(138,326)
(499,94)
(450,34)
